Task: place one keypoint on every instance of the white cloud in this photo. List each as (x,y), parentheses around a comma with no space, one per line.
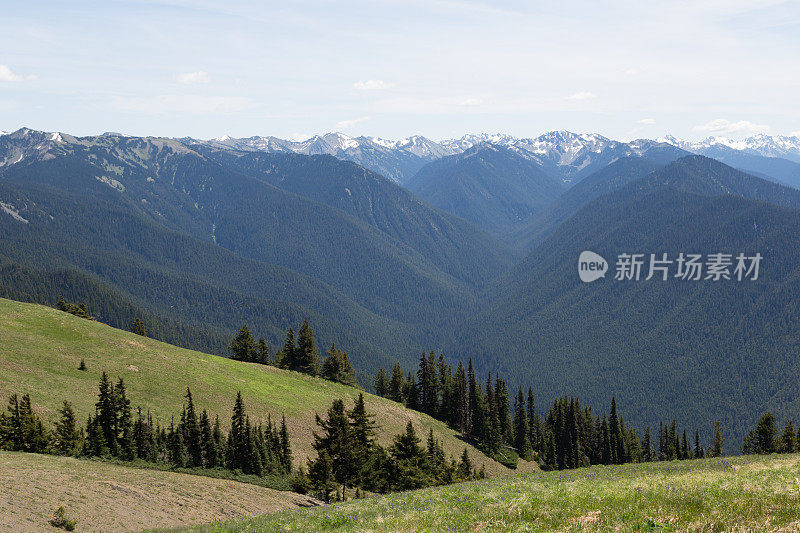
(583,95)
(632,71)
(346,124)
(6,74)
(723,126)
(189,78)
(646,121)
(194,104)
(795,134)
(471,102)
(372,85)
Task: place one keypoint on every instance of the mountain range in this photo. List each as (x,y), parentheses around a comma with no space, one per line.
(474,253)
(562,154)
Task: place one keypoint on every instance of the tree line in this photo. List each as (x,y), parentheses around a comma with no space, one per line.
(568,435)
(764,437)
(348,457)
(196,441)
(300,354)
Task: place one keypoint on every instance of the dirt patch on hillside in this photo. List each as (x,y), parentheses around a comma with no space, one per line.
(110,498)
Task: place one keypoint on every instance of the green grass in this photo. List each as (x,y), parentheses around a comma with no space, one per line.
(41,348)
(742,494)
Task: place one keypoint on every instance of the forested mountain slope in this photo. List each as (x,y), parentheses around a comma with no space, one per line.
(703,350)
(491,186)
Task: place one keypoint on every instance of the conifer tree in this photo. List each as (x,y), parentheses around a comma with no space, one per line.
(615,435)
(138,327)
(788,440)
(287,356)
(177,447)
(238,439)
(262,352)
(465,466)
(362,433)
(719,440)
(243,345)
(647,446)
(764,435)
(320,473)
(337,367)
(502,405)
(123,422)
(522,440)
(336,439)
(285,447)
(307,359)
(397,384)
(106,417)
(411,392)
(381,383)
(461,400)
(699,453)
(194,444)
(66,433)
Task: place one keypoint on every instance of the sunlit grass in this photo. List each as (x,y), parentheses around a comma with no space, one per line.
(740,494)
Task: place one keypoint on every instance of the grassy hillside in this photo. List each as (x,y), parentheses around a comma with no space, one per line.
(737,494)
(105,497)
(41,349)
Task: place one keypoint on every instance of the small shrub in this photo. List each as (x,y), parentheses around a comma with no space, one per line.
(60,520)
(82,366)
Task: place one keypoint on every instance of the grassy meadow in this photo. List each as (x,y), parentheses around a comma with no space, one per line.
(41,349)
(747,493)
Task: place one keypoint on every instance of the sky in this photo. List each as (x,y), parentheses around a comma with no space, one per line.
(385,68)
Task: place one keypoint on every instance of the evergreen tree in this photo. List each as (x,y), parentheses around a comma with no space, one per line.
(106,417)
(647,446)
(243,345)
(320,473)
(502,406)
(428,384)
(285,447)
(522,440)
(262,352)
(144,438)
(788,439)
(123,422)
(238,438)
(307,359)
(615,435)
(66,433)
(194,442)
(363,435)
(763,437)
(719,440)
(337,367)
(397,384)
(465,466)
(461,400)
(82,365)
(208,446)
(177,447)
(336,439)
(699,453)
(409,460)
(138,327)
(381,383)
(287,357)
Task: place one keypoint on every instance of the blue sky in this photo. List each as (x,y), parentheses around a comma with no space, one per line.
(203,68)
